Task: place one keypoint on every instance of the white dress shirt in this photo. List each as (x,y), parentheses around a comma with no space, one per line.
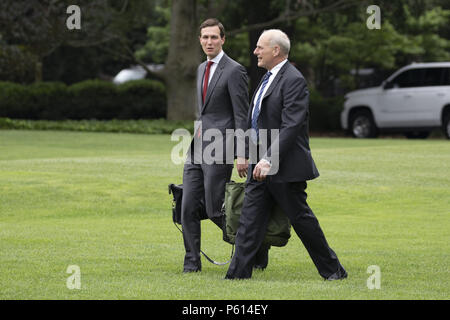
(216,61)
(274,72)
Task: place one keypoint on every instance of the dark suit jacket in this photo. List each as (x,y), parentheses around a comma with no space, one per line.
(285,107)
(226,101)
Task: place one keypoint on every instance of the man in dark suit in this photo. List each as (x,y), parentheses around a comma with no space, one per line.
(284,164)
(222,92)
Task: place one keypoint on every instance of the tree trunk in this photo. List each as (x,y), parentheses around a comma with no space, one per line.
(38,70)
(182,61)
(181,97)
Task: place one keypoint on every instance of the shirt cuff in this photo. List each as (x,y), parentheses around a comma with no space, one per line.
(266,161)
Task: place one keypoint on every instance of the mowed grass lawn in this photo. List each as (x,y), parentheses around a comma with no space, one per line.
(100,201)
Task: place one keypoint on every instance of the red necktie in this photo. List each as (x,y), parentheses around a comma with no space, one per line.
(205,88)
(205,81)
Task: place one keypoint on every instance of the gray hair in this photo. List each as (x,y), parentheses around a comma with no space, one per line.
(279,38)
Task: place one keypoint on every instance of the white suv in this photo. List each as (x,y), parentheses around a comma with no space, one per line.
(414,101)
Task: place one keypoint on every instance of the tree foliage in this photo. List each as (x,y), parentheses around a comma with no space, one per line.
(331,43)
(156,47)
(336,46)
(39,27)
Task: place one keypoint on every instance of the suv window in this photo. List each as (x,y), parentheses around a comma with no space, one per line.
(422,78)
(408,79)
(434,77)
(446,77)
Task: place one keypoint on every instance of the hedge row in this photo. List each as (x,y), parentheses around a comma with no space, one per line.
(102,100)
(152,126)
(91,99)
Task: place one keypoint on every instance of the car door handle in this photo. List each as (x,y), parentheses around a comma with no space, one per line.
(441,94)
(407,96)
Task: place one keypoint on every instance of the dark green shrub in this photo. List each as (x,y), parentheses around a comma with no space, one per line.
(91,99)
(48,100)
(324,112)
(139,99)
(152,126)
(142,99)
(15,101)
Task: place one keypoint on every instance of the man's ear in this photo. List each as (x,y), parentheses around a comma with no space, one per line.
(276,51)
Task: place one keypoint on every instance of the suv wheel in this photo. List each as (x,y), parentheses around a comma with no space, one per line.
(362,125)
(446,125)
(417,134)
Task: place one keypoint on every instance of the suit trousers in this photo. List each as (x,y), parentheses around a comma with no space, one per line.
(202,183)
(291,197)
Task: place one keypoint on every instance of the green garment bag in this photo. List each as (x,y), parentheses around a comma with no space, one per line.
(278,230)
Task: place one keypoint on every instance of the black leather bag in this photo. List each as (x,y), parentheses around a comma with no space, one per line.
(177,191)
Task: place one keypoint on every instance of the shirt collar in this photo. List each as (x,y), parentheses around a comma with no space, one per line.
(277,68)
(217,58)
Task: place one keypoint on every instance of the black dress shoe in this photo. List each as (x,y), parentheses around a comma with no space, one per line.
(227,277)
(339,275)
(191,270)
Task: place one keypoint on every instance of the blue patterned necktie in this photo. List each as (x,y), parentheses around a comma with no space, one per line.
(257,108)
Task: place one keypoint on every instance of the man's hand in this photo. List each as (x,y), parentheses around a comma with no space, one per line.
(261,170)
(242,166)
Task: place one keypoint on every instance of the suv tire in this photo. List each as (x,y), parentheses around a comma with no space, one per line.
(446,125)
(362,125)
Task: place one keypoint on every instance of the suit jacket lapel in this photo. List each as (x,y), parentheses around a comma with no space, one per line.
(252,104)
(275,81)
(216,76)
(268,92)
(200,76)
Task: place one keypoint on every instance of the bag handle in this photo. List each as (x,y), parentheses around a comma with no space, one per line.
(208,258)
